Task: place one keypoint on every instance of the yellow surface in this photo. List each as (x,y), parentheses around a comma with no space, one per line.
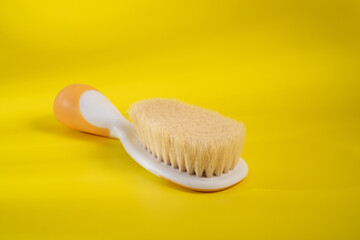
(288,69)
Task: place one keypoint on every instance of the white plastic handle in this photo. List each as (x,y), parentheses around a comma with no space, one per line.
(100,112)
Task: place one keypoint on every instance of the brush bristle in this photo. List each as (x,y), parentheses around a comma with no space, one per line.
(193,139)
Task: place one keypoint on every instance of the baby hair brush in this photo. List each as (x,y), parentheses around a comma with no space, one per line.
(190,146)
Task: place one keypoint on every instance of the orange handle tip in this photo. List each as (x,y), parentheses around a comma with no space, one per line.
(66,109)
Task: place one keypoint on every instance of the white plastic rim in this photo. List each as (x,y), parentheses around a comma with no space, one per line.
(100,112)
(137,151)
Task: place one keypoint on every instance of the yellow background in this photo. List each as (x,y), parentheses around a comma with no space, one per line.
(288,69)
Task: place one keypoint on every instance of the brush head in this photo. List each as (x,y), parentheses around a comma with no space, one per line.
(196,140)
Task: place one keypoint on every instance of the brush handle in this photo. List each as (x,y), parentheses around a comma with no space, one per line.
(82,107)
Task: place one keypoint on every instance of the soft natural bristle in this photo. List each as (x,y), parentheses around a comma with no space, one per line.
(193,139)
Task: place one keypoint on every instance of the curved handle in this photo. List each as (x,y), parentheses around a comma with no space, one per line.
(83,108)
